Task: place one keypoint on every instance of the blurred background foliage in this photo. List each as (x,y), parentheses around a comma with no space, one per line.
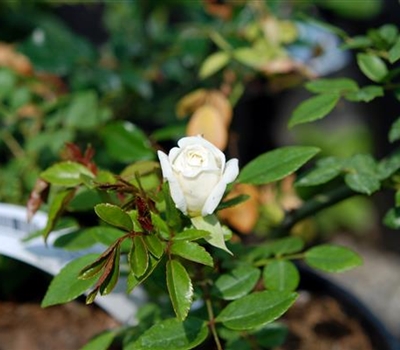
(120,75)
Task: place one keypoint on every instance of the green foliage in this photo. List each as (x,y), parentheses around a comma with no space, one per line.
(332,258)
(281,275)
(114,216)
(180,288)
(314,108)
(237,283)
(172,334)
(255,309)
(66,286)
(206,283)
(66,174)
(100,342)
(276,164)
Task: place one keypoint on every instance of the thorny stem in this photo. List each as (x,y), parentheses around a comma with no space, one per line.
(313,206)
(212,323)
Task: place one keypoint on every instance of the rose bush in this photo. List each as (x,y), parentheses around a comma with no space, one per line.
(156,220)
(198,174)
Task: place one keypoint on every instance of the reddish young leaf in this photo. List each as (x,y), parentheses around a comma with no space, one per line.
(144,215)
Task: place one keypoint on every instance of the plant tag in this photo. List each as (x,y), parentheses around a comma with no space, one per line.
(14,231)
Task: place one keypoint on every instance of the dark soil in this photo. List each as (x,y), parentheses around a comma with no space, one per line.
(319,323)
(315,323)
(27,326)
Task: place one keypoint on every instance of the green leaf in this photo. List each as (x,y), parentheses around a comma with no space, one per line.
(8,81)
(394,52)
(191,234)
(365,94)
(133,281)
(20,97)
(392,218)
(114,216)
(394,132)
(172,334)
(154,245)
(277,164)
(272,335)
(169,132)
(171,211)
(250,56)
(65,174)
(362,174)
(138,257)
(388,32)
(351,10)
(337,85)
(66,286)
(237,283)
(105,235)
(76,240)
(126,143)
(363,183)
(314,108)
(389,165)
(286,245)
(326,170)
(372,66)
(85,200)
(160,226)
(281,275)
(60,51)
(180,288)
(101,341)
(216,235)
(233,201)
(357,42)
(332,258)
(213,63)
(192,251)
(146,171)
(256,309)
(82,112)
(57,205)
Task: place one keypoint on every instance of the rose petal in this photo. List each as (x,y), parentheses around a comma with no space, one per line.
(177,195)
(173,153)
(214,198)
(199,140)
(174,187)
(231,170)
(165,165)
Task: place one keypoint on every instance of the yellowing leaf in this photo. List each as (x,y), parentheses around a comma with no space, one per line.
(244,216)
(208,122)
(218,100)
(190,102)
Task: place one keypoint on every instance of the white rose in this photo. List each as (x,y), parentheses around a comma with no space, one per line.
(197,174)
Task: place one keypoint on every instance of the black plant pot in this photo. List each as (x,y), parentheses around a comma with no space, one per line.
(380,337)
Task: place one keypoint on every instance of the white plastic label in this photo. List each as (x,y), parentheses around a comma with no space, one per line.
(14,228)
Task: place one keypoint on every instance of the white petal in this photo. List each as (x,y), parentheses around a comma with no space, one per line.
(174,187)
(231,171)
(165,165)
(173,153)
(214,198)
(199,140)
(177,195)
